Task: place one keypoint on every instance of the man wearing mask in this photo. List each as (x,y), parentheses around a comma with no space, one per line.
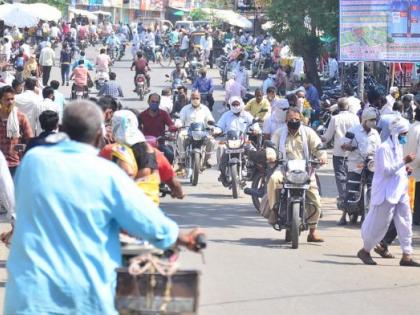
(205,86)
(337,128)
(390,199)
(195,112)
(386,119)
(178,75)
(363,141)
(296,141)
(15,129)
(259,107)
(269,82)
(235,119)
(277,118)
(141,66)
(154,122)
(391,98)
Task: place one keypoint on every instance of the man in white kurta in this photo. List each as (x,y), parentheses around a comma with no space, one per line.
(390,196)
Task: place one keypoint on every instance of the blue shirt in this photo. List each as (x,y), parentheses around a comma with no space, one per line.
(86,63)
(203,85)
(111,88)
(312,96)
(70,206)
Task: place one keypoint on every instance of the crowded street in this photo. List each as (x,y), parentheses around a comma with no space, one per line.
(248,268)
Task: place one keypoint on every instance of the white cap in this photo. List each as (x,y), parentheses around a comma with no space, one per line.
(393,89)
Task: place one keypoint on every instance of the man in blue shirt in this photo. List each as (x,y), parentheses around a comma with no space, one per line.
(312,95)
(87,62)
(70,206)
(111,87)
(205,86)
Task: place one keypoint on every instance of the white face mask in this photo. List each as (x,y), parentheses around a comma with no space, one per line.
(300,102)
(195,103)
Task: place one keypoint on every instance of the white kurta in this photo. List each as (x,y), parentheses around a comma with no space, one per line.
(389,199)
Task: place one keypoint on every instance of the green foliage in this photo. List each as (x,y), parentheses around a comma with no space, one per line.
(303,22)
(198,15)
(59,4)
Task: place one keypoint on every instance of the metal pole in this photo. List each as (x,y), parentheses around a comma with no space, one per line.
(361,79)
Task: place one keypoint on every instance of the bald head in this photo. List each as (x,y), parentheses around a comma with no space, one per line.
(82,121)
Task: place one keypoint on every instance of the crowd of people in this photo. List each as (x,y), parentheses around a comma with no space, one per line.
(64,166)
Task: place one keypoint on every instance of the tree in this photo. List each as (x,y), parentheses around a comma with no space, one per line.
(301,23)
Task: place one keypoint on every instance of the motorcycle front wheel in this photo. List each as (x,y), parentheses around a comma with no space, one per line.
(195,169)
(141,94)
(295,224)
(258,183)
(234,181)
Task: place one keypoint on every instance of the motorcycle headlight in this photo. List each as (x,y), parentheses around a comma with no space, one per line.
(371,166)
(234,144)
(198,135)
(297,177)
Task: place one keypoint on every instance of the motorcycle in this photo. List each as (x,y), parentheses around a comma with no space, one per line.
(192,67)
(195,150)
(291,214)
(82,44)
(100,79)
(149,53)
(141,86)
(79,92)
(121,50)
(359,191)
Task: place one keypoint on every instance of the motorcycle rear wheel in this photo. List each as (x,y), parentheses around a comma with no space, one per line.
(141,94)
(234,181)
(195,169)
(295,224)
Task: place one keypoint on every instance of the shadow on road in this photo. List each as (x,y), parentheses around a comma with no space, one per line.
(192,214)
(279,243)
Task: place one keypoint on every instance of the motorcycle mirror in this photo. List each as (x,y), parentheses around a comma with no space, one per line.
(167,75)
(211,123)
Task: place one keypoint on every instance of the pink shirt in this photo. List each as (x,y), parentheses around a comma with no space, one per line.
(80,76)
(102,62)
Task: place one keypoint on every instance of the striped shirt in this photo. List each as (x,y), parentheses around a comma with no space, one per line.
(111,88)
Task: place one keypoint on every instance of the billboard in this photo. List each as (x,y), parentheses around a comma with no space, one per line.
(380,30)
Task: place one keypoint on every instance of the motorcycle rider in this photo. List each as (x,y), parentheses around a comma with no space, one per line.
(337,128)
(179,74)
(103,61)
(235,119)
(113,42)
(141,66)
(87,62)
(205,86)
(297,141)
(195,113)
(81,76)
(150,43)
(259,107)
(364,143)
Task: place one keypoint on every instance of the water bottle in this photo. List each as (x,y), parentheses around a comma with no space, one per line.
(415,18)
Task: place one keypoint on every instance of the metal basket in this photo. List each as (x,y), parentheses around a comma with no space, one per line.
(155,294)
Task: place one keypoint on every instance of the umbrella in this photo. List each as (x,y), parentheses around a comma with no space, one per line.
(19,15)
(230,17)
(45,12)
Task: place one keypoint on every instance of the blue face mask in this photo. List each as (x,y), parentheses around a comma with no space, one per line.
(154,107)
(402,139)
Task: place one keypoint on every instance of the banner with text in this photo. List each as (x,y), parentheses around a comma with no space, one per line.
(380,30)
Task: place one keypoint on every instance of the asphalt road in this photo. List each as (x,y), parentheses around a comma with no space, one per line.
(250,270)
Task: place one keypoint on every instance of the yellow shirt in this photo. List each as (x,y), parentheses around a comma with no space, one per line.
(254,108)
(294,144)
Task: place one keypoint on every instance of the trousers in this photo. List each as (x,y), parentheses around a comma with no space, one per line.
(379,218)
(46,70)
(340,171)
(312,196)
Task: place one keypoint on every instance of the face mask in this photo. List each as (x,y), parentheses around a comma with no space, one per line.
(402,139)
(236,109)
(371,124)
(195,103)
(300,102)
(294,125)
(154,107)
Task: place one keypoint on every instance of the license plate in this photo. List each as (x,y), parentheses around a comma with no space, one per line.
(234,150)
(79,93)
